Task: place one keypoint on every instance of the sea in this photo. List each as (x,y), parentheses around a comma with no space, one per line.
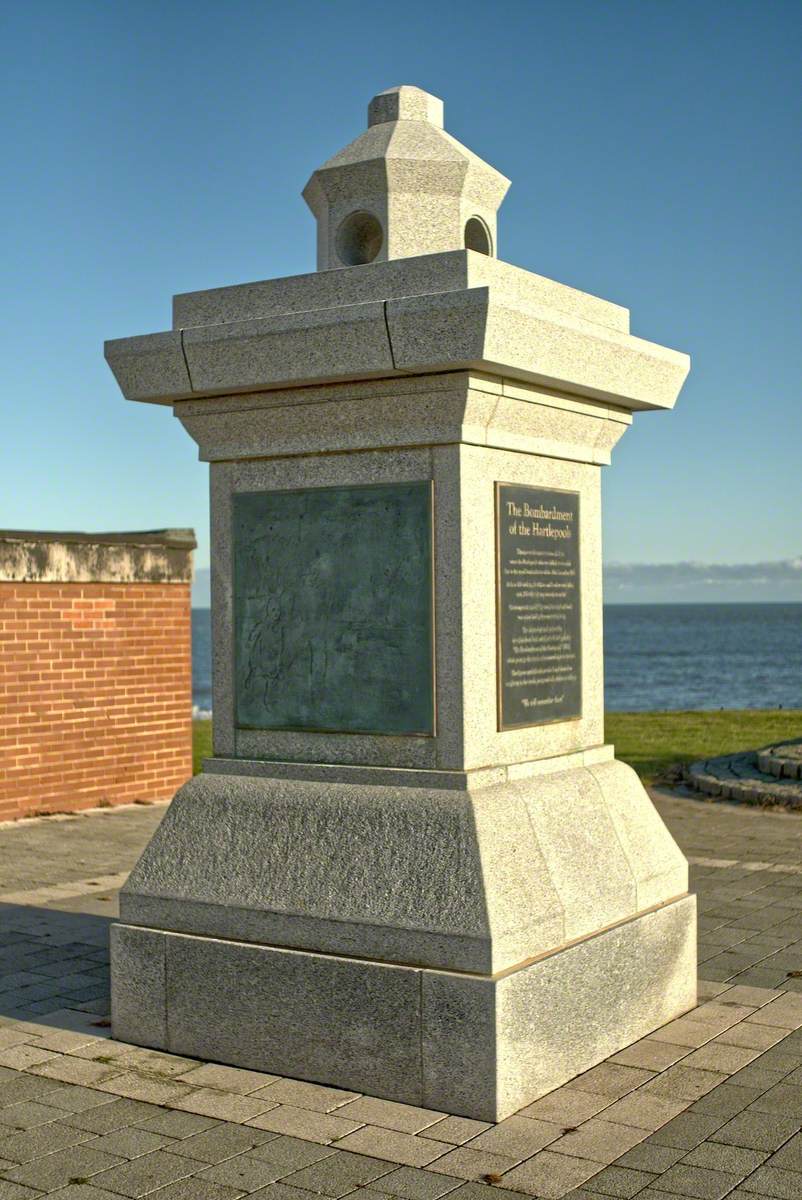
(658,657)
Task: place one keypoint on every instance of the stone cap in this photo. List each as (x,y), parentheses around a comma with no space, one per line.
(147,556)
(403,188)
(405,104)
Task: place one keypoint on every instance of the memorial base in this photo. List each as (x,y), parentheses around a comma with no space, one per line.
(464,947)
(474,1045)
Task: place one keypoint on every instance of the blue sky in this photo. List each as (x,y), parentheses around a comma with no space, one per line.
(654,152)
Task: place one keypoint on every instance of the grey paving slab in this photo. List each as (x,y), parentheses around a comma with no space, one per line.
(412,1183)
(243,1171)
(113,1115)
(222,1141)
(43,1139)
(697,1182)
(339,1174)
(146,1174)
(292,1153)
(131,1142)
(620,1181)
(74,1164)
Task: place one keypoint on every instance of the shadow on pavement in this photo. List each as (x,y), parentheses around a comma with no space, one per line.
(53,966)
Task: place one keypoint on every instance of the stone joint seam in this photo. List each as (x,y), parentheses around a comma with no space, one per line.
(413,966)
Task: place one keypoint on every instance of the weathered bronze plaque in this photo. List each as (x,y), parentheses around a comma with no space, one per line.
(539,632)
(333,609)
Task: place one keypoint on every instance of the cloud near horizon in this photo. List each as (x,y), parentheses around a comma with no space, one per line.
(718,582)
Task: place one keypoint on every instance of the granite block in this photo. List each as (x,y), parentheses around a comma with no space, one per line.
(150,367)
(138,1002)
(291,348)
(490,1048)
(357,1027)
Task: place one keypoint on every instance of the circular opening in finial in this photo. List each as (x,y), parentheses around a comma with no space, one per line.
(477,236)
(359,239)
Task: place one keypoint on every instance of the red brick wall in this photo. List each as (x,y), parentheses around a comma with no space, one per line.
(95,694)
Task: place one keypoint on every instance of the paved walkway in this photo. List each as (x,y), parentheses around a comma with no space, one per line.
(709,1106)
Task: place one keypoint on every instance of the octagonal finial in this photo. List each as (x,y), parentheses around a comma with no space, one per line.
(404,188)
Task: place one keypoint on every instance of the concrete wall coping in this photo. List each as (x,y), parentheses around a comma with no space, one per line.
(148,556)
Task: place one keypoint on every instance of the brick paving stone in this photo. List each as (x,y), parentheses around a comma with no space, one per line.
(650,1157)
(226,1106)
(769,1181)
(473,1164)
(244,1171)
(171,1122)
(687,1130)
(784,1013)
(782,1099)
(757,1131)
(29,1114)
(24,1087)
(599,1140)
(719,1056)
(290,1152)
(28,1054)
(281,1191)
(483,1191)
(64,1166)
(698,1182)
(650,1054)
(396,1147)
(308,1095)
(142,1175)
(610,1079)
(551,1175)
(620,1181)
(412,1183)
(15,1191)
(718,1156)
(131,1142)
(684,1083)
(517,1136)
(228,1079)
(196,1188)
(405,1118)
(83,1191)
(311,1125)
(457,1130)
(222,1141)
(565,1107)
(45,1139)
(749,995)
(74,1070)
(725,1101)
(339,1174)
(644,1111)
(788,1157)
(114,1115)
(140,1087)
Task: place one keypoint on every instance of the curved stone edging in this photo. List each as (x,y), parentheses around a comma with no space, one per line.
(741,777)
(783,761)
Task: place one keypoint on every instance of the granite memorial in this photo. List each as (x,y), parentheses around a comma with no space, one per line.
(412,867)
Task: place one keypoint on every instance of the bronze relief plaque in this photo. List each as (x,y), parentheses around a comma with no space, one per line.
(333,609)
(538,606)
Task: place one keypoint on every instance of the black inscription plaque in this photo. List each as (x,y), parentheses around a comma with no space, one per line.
(539,633)
(333,609)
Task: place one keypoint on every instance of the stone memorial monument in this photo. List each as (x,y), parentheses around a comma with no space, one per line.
(412,868)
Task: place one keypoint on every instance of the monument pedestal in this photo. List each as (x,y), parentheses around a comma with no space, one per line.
(462,945)
(412,867)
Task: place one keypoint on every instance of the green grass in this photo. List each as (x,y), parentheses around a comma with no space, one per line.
(201,743)
(651,742)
